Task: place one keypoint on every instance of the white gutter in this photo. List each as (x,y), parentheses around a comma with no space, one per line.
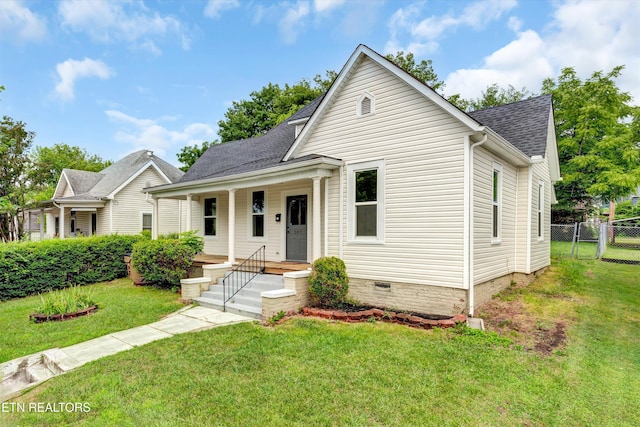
(470,220)
(326,217)
(341,213)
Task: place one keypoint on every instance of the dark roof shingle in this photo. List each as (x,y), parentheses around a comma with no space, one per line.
(251,154)
(524,123)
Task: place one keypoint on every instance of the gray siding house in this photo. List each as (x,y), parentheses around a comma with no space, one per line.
(432,209)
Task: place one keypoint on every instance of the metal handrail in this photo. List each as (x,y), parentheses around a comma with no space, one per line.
(242,274)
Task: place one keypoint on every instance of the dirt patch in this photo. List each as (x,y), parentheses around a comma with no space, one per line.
(510,318)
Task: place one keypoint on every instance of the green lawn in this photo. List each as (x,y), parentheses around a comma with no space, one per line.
(121,306)
(315,373)
(587,250)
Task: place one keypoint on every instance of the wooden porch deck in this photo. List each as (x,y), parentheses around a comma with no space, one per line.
(271,267)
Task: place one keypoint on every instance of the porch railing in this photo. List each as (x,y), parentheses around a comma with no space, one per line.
(242,274)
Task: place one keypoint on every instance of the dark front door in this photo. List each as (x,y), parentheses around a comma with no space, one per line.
(297,228)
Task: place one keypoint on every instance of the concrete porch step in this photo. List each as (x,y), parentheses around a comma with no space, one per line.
(248,301)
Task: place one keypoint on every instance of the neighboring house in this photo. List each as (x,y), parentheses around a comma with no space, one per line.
(432,209)
(110,201)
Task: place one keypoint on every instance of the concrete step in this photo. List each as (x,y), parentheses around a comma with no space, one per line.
(245,310)
(209,302)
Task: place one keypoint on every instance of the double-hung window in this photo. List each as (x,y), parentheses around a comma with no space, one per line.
(147,221)
(257,213)
(366,202)
(496,204)
(540,210)
(210,216)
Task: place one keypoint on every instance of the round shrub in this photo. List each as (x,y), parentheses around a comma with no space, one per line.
(328,282)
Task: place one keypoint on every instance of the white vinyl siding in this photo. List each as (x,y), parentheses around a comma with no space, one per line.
(422,147)
(493,260)
(131,202)
(540,249)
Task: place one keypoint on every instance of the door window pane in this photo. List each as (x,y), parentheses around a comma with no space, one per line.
(210,216)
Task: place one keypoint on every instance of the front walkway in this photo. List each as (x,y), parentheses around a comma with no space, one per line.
(28,371)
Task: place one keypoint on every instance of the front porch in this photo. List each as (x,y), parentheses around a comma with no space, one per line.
(271,267)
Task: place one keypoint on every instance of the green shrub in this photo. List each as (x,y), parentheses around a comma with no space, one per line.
(191,239)
(162,262)
(328,282)
(35,267)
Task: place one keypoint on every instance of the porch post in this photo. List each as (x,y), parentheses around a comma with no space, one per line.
(231,252)
(51,225)
(41,219)
(62,222)
(154,218)
(188,228)
(316,219)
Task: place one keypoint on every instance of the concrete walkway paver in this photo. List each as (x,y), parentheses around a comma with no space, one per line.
(28,371)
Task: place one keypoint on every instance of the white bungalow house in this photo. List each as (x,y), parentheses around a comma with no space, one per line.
(432,209)
(110,201)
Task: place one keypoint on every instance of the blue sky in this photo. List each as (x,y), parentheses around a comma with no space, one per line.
(117,76)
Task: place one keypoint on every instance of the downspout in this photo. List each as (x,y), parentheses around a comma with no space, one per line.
(341,213)
(154,224)
(470,219)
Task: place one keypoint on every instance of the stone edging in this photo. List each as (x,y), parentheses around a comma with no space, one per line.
(385,316)
(39,317)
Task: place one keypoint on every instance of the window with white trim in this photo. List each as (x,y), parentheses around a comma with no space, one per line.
(366,201)
(540,210)
(210,216)
(365,105)
(147,221)
(496,204)
(257,213)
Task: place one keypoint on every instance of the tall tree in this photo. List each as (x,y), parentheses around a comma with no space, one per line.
(495,96)
(422,71)
(598,133)
(15,142)
(189,154)
(269,106)
(48,162)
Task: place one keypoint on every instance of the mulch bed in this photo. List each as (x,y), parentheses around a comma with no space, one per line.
(416,320)
(39,317)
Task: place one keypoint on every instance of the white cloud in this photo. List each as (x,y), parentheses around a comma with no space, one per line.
(326,5)
(130,21)
(291,24)
(71,70)
(150,134)
(425,33)
(19,23)
(610,39)
(214,8)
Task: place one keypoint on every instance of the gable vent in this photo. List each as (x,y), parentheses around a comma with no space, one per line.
(365,105)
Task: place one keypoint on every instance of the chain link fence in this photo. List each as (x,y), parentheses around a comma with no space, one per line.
(618,241)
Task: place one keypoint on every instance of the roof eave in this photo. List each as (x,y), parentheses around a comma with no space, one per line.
(236,180)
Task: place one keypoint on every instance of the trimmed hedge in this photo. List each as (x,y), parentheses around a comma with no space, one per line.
(34,267)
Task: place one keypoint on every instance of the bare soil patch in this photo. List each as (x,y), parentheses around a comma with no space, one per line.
(509,315)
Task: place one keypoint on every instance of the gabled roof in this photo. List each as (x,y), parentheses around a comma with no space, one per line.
(246,155)
(92,186)
(524,123)
(280,146)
